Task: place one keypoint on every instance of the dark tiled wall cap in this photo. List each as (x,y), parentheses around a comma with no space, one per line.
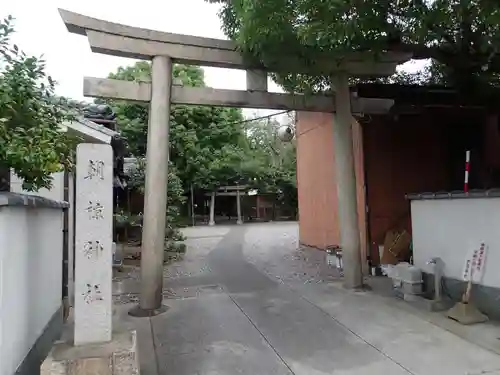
(492,193)
(26,200)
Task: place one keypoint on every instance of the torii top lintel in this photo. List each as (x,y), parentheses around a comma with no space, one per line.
(134,42)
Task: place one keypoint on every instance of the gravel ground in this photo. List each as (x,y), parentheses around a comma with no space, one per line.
(200,242)
(274,249)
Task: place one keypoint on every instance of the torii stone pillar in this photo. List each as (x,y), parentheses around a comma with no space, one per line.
(346,183)
(126,41)
(211,220)
(155,193)
(239,221)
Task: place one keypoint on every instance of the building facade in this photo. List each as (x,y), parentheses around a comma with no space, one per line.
(418,147)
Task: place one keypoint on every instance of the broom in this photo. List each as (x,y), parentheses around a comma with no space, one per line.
(464,312)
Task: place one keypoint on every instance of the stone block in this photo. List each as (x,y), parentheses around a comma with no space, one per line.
(91,366)
(117,357)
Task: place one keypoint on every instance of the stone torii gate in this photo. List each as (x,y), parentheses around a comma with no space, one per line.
(163,49)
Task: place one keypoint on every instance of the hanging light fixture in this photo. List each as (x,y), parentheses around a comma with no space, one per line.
(285,133)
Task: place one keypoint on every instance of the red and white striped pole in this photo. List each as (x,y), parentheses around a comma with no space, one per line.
(467,170)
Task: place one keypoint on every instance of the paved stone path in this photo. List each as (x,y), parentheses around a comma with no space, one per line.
(246,301)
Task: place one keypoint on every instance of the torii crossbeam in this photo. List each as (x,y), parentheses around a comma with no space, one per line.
(163,49)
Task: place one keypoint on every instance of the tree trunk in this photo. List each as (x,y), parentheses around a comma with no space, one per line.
(4,178)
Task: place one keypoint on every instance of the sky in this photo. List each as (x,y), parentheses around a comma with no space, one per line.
(40,31)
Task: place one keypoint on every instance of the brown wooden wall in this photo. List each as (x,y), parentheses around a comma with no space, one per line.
(404,156)
(396,155)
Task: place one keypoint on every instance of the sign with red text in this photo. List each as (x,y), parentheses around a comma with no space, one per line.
(474,264)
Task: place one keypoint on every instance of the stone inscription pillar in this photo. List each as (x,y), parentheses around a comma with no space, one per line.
(93,242)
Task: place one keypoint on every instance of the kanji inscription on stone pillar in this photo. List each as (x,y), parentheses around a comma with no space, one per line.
(93,243)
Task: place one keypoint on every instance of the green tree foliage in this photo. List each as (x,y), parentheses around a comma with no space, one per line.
(31,141)
(209,146)
(461,37)
(175,197)
(125,220)
(141,71)
(273,165)
(206,143)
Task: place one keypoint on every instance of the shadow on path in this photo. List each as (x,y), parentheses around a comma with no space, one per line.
(250,324)
(227,317)
(232,270)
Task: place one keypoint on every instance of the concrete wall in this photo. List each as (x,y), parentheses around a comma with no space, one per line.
(450,228)
(56,192)
(317,192)
(31,250)
(318,210)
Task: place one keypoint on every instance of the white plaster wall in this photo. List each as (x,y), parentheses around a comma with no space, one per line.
(3,245)
(449,228)
(71,235)
(56,193)
(30,278)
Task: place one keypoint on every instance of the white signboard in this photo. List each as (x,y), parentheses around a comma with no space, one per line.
(93,243)
(474,264)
